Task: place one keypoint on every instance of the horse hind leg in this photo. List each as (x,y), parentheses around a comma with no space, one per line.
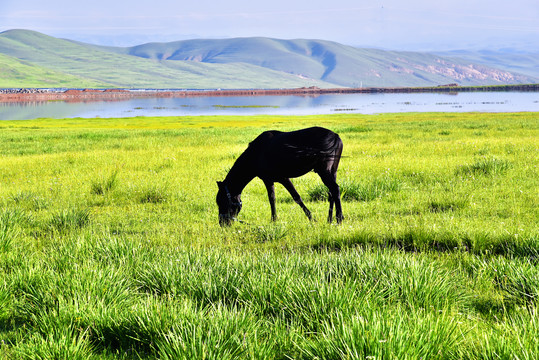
(338,208)
(330,180)
(331,203)
(336,195)
(337,190)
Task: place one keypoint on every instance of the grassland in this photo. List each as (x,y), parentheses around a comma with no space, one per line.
(110,245)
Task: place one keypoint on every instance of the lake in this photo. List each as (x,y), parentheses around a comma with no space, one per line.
(278,105)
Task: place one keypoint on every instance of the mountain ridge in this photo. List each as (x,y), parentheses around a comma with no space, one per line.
(253,62)
(93,63)
(333,62)
(505,59)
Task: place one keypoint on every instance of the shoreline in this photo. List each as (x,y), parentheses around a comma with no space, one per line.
(77,95)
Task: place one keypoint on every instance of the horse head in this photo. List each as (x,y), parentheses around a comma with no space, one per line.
(229,205)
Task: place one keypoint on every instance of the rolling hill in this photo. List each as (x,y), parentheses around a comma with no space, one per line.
(69,59)
(332,62)
(238,63)
(17,73)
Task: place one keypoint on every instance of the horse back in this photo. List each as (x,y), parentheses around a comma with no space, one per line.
(292,154)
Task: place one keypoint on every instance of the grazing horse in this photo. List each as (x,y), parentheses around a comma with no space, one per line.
(276,156)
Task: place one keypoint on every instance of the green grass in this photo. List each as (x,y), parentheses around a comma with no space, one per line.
(485,166)
(110,245)
(106,184)
(351,190)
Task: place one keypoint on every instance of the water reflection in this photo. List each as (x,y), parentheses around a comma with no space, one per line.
(278,105)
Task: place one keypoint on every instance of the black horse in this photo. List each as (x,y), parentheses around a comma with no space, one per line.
(276,156)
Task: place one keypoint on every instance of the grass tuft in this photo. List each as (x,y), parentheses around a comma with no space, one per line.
(29,200)
(105,184)
(7,234)
(446,205)
(270,233)
(485,166)
(152,195)
(60,343)
(69,219)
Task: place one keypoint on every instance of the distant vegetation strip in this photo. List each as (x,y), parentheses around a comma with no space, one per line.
(10,95)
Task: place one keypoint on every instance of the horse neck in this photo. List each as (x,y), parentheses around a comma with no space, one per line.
(239,175)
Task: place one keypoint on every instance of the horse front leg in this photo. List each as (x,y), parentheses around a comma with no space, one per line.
(293,192)
(270,187)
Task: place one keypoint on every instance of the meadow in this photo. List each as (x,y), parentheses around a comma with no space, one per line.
(110,246)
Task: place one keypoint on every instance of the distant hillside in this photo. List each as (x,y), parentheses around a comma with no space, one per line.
(94,65)
(15,73)
(506,59)
(239,63)
(332,62)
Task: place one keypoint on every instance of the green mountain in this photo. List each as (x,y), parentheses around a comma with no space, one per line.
(91,64)
(332,62)
(241,63)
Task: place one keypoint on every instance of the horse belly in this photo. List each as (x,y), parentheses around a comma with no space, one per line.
(284,168)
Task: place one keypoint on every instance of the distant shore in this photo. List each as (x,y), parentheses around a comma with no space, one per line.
(78,95)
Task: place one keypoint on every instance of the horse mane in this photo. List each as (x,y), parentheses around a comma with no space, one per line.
(246,157)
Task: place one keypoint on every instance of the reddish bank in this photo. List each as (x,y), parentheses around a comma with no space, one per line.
(22,95)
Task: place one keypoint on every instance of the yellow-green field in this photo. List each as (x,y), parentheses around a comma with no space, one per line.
(110,245)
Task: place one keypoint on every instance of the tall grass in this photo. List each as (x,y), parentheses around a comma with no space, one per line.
(437,257)
(485,166)
(69,219)
(358,191)
(105,184)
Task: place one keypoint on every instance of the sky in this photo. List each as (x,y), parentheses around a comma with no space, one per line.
(389,24)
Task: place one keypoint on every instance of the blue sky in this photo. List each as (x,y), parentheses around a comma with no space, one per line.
(392,24)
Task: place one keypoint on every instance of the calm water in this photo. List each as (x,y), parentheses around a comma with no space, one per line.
(278,105)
